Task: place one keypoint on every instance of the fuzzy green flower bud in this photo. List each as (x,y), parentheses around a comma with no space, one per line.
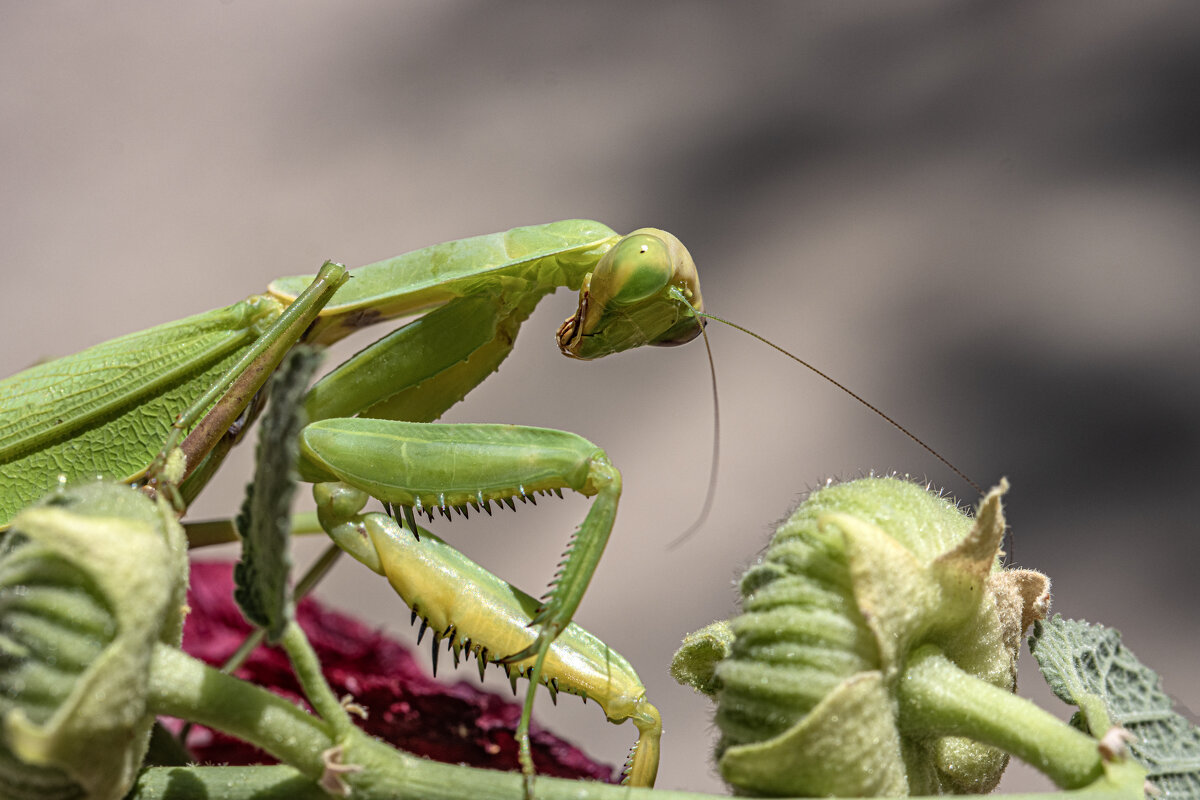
(808,678)
(91,579)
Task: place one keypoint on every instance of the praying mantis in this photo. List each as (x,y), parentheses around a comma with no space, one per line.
(109,409)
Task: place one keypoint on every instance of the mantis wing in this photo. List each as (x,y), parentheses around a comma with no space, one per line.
(108,409)
(536,258)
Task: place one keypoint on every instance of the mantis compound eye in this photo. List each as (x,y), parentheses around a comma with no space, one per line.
(637,268)
(632,298)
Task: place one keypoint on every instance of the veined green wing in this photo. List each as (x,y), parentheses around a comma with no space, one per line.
(415,281)
(107,410)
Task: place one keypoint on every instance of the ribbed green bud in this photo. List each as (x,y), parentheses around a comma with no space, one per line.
(91,579)
(805,679)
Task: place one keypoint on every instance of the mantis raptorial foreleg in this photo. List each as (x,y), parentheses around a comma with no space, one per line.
(477,613)
(427,467)
(423,467)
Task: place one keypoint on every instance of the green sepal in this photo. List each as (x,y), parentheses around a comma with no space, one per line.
(695,662)
(99,571)
(905,602)
(834,750)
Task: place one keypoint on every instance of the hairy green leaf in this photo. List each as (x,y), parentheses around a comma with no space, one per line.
(1088,663)
(265,522)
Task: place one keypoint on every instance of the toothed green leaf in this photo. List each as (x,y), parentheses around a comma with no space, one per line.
(1083,663)
(265,521)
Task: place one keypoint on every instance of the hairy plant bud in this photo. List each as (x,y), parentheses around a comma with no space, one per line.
(91,580)
(806,678)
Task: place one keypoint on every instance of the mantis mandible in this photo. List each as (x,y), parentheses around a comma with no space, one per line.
(107,410)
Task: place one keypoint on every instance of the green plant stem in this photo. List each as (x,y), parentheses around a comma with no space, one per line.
(414,778)
(276,782)
(1095,713)
(223,531)
(307,667)
(936,698)
(311,577)
(939,699)
(215,533)
(184,687)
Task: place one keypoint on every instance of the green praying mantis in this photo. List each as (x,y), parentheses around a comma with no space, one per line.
(108,411)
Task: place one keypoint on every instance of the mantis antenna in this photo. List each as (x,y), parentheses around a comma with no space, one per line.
(716,453)
(716,421)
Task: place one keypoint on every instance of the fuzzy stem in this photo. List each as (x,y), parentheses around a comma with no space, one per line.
(308,671)
(276,782)
(939,699)
(419,779)
(184,687)
(312,576)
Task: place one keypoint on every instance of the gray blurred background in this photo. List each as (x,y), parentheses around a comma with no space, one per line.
(982,216)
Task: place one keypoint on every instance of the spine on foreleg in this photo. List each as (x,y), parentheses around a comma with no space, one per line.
(459,601)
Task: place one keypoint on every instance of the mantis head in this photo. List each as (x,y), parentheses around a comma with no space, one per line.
(644,290)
